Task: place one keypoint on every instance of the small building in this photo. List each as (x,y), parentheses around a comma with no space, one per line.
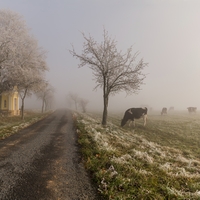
(9,103)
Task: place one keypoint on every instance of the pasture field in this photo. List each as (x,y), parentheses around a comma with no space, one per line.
(159,161)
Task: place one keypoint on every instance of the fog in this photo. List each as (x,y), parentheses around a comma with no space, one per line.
(165,32)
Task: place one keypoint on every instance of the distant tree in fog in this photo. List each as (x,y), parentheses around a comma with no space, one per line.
(75,99)
(83,104)
(78,102)
(113,70)
(46,94)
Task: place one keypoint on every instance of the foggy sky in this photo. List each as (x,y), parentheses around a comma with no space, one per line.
(165,32)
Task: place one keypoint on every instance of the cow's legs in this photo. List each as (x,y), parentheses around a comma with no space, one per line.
(145,119)
(131,122)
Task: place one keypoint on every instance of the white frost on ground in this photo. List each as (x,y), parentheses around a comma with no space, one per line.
(112,138)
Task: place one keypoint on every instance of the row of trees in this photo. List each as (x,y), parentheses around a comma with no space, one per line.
(78,102)
(22,64)
(22,61)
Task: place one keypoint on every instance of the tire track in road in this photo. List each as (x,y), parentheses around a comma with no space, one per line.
(19,156)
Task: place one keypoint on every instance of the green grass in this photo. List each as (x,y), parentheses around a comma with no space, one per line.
(10,125)
(159,161)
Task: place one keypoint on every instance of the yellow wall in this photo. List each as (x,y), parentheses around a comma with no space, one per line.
(4,102)
(10,102)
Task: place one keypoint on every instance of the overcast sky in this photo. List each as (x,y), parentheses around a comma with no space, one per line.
(165,32)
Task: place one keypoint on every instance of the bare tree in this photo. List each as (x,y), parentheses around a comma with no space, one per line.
(27,88)
(75,98)
(31,70)
(113,70)
(83,104)
(49,101)
(78,102)
(46,93)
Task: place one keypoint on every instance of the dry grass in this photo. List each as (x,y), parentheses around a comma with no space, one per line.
(10,125)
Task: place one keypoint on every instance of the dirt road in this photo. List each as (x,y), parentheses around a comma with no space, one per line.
(42,162)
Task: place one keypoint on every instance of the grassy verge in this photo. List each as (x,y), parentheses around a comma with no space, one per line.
(10,125)
(159,161)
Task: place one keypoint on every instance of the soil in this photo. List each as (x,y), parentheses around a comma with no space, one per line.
(43,162)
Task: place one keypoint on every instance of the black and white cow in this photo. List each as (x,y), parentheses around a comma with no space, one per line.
(164,111)
(192,109)
(134,113)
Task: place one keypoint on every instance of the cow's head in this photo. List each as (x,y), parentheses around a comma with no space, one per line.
(123,121)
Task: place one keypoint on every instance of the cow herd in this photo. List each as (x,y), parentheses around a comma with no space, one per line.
(190,110)
(136,113)
(164,111)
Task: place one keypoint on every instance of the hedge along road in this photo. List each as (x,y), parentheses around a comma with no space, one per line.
(42,162)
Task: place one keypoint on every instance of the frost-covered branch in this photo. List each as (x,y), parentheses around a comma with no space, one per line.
(113,70)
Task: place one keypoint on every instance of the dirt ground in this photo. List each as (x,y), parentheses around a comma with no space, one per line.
(42,162)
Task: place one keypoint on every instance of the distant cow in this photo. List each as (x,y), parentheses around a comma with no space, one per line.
(134,113)
(171,108)
(192,109)
(164,111)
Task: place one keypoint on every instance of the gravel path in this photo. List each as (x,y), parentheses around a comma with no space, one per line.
(42,162)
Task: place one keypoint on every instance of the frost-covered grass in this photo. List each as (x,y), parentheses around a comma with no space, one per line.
(159,161)
(10,125)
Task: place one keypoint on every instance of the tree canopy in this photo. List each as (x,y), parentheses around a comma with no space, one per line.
(22,61)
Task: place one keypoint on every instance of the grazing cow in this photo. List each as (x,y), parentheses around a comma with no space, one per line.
(192,109)
(134,113)
(171,108)
(164,111)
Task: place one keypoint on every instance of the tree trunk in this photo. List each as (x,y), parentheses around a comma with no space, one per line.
(105,110)
(43,105)
(22,109)
(46,105)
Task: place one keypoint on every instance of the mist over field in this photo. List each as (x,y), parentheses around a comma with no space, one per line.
(158,158)
(165,33)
